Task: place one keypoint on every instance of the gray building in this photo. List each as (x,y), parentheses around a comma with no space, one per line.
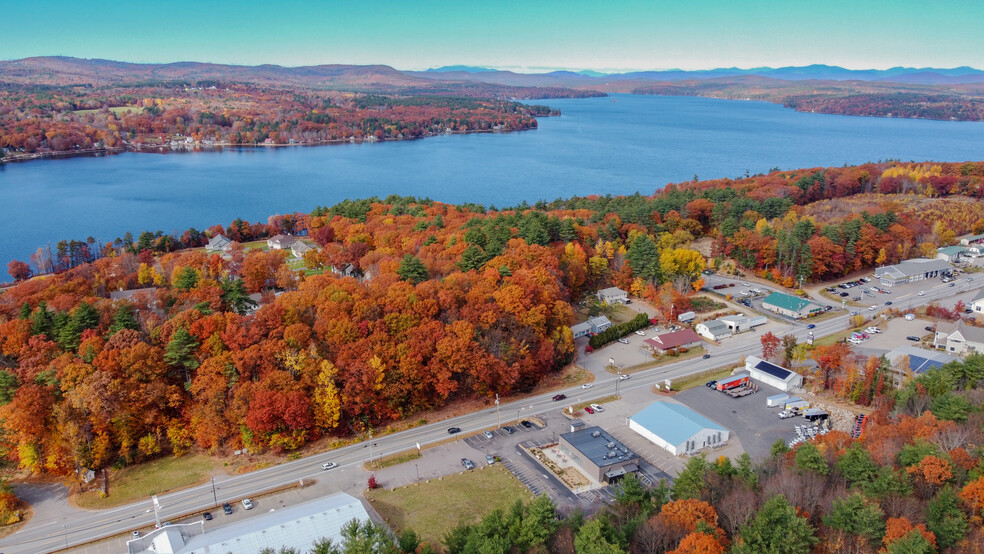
(592,325)
(916,269)
(677,428)
(599,455)
(714,329)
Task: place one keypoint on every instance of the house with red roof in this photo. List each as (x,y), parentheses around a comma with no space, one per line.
(684,338)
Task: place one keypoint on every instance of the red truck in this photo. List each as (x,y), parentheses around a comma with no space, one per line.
(732,382)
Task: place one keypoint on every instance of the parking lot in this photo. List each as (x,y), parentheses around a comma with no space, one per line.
(755,425)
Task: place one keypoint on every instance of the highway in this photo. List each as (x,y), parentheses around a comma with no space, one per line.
(90,526)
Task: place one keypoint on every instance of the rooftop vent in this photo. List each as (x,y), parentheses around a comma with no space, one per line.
(611,445)
(596,434)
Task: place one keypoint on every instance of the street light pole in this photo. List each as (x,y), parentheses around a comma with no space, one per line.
(370,448)
(498,416)
(214,497)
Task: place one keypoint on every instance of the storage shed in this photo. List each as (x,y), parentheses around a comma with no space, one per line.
(677,428)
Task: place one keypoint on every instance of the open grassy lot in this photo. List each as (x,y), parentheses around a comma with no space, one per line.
(692,381)
(143,480)
(662,359)
(431,509)
(118,111)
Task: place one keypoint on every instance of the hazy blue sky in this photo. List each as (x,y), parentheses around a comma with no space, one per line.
(523,35)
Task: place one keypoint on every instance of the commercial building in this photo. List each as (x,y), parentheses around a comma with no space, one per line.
(908,271)
(295,527)
(684,338)
(790,306)
(599,455)
(772,374)
(972,240)
(613,295)
(714,329)
(677,428)
(738,323)
(952,254)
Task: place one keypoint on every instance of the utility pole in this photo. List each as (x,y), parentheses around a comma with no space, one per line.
(370,448)
(214,497)
(498,417)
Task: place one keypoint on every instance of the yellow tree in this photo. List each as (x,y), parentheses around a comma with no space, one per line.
(327,400)
(681,262)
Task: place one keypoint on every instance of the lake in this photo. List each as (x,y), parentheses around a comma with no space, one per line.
(616,145)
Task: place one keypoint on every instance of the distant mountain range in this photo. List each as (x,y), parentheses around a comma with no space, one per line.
(61,70)
(908,75)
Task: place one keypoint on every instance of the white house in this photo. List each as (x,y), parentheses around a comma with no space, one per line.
(977,304)
(218,243)
(772,374)
(677,428)
(299,248)
(965,339)
(714,329)
(281,242)
(613,295)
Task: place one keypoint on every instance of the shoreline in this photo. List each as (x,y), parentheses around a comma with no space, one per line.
(204,147)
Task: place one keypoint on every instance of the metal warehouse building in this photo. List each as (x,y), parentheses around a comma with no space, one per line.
(773,375)
(677,428)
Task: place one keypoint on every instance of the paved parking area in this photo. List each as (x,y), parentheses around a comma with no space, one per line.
(755,425)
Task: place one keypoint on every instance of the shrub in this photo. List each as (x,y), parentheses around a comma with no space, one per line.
(616,332)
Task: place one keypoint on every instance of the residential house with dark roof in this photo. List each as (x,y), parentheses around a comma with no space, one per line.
(218,243)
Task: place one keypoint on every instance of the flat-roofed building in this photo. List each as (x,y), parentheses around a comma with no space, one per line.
(598,454)
(916,269)
(790,306)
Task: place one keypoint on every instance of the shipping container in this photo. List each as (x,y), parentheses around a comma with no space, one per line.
(776,400)
(799,405)
(732,382)
(686,316)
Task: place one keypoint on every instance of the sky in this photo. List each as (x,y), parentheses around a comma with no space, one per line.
(529,36)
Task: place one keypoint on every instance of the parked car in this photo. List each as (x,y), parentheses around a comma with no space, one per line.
(526,424)
(468,464)
(597,407)
(329,465)
(843,294)
(641,333)
(207,516)
(785,414)
(248,504)
(488,434)
(811,326)
(931,329)
(508,430)
(623,341)
(589,409)
(913,338)
(490,459)
(453,430)
(227,508)
(559,397)
(586,386)
(711,384)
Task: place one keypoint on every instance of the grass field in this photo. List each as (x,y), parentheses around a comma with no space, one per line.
(432,509)
(141,481)
(118,111)
(663,359)
(692,381)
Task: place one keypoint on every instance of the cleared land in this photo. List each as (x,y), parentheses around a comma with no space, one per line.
(120,110)
(432,509)
(141,481)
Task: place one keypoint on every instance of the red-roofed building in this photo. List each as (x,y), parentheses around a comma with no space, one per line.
(684,338)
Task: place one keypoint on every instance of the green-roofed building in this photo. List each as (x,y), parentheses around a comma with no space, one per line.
(790,306)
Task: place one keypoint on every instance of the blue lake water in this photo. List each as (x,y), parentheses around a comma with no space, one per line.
(616,145)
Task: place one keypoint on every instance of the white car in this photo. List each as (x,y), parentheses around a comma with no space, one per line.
(586,386)
(329,465)
(853,340)
(597,408)
(623,377)
(641,333)
(922,293)
(248,504)
(873,308)
(623,341)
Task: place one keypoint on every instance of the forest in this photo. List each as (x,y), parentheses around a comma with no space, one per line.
(860,98)
(65,119)
(440,303)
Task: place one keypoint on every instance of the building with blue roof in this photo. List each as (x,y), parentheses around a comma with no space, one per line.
(677,428)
